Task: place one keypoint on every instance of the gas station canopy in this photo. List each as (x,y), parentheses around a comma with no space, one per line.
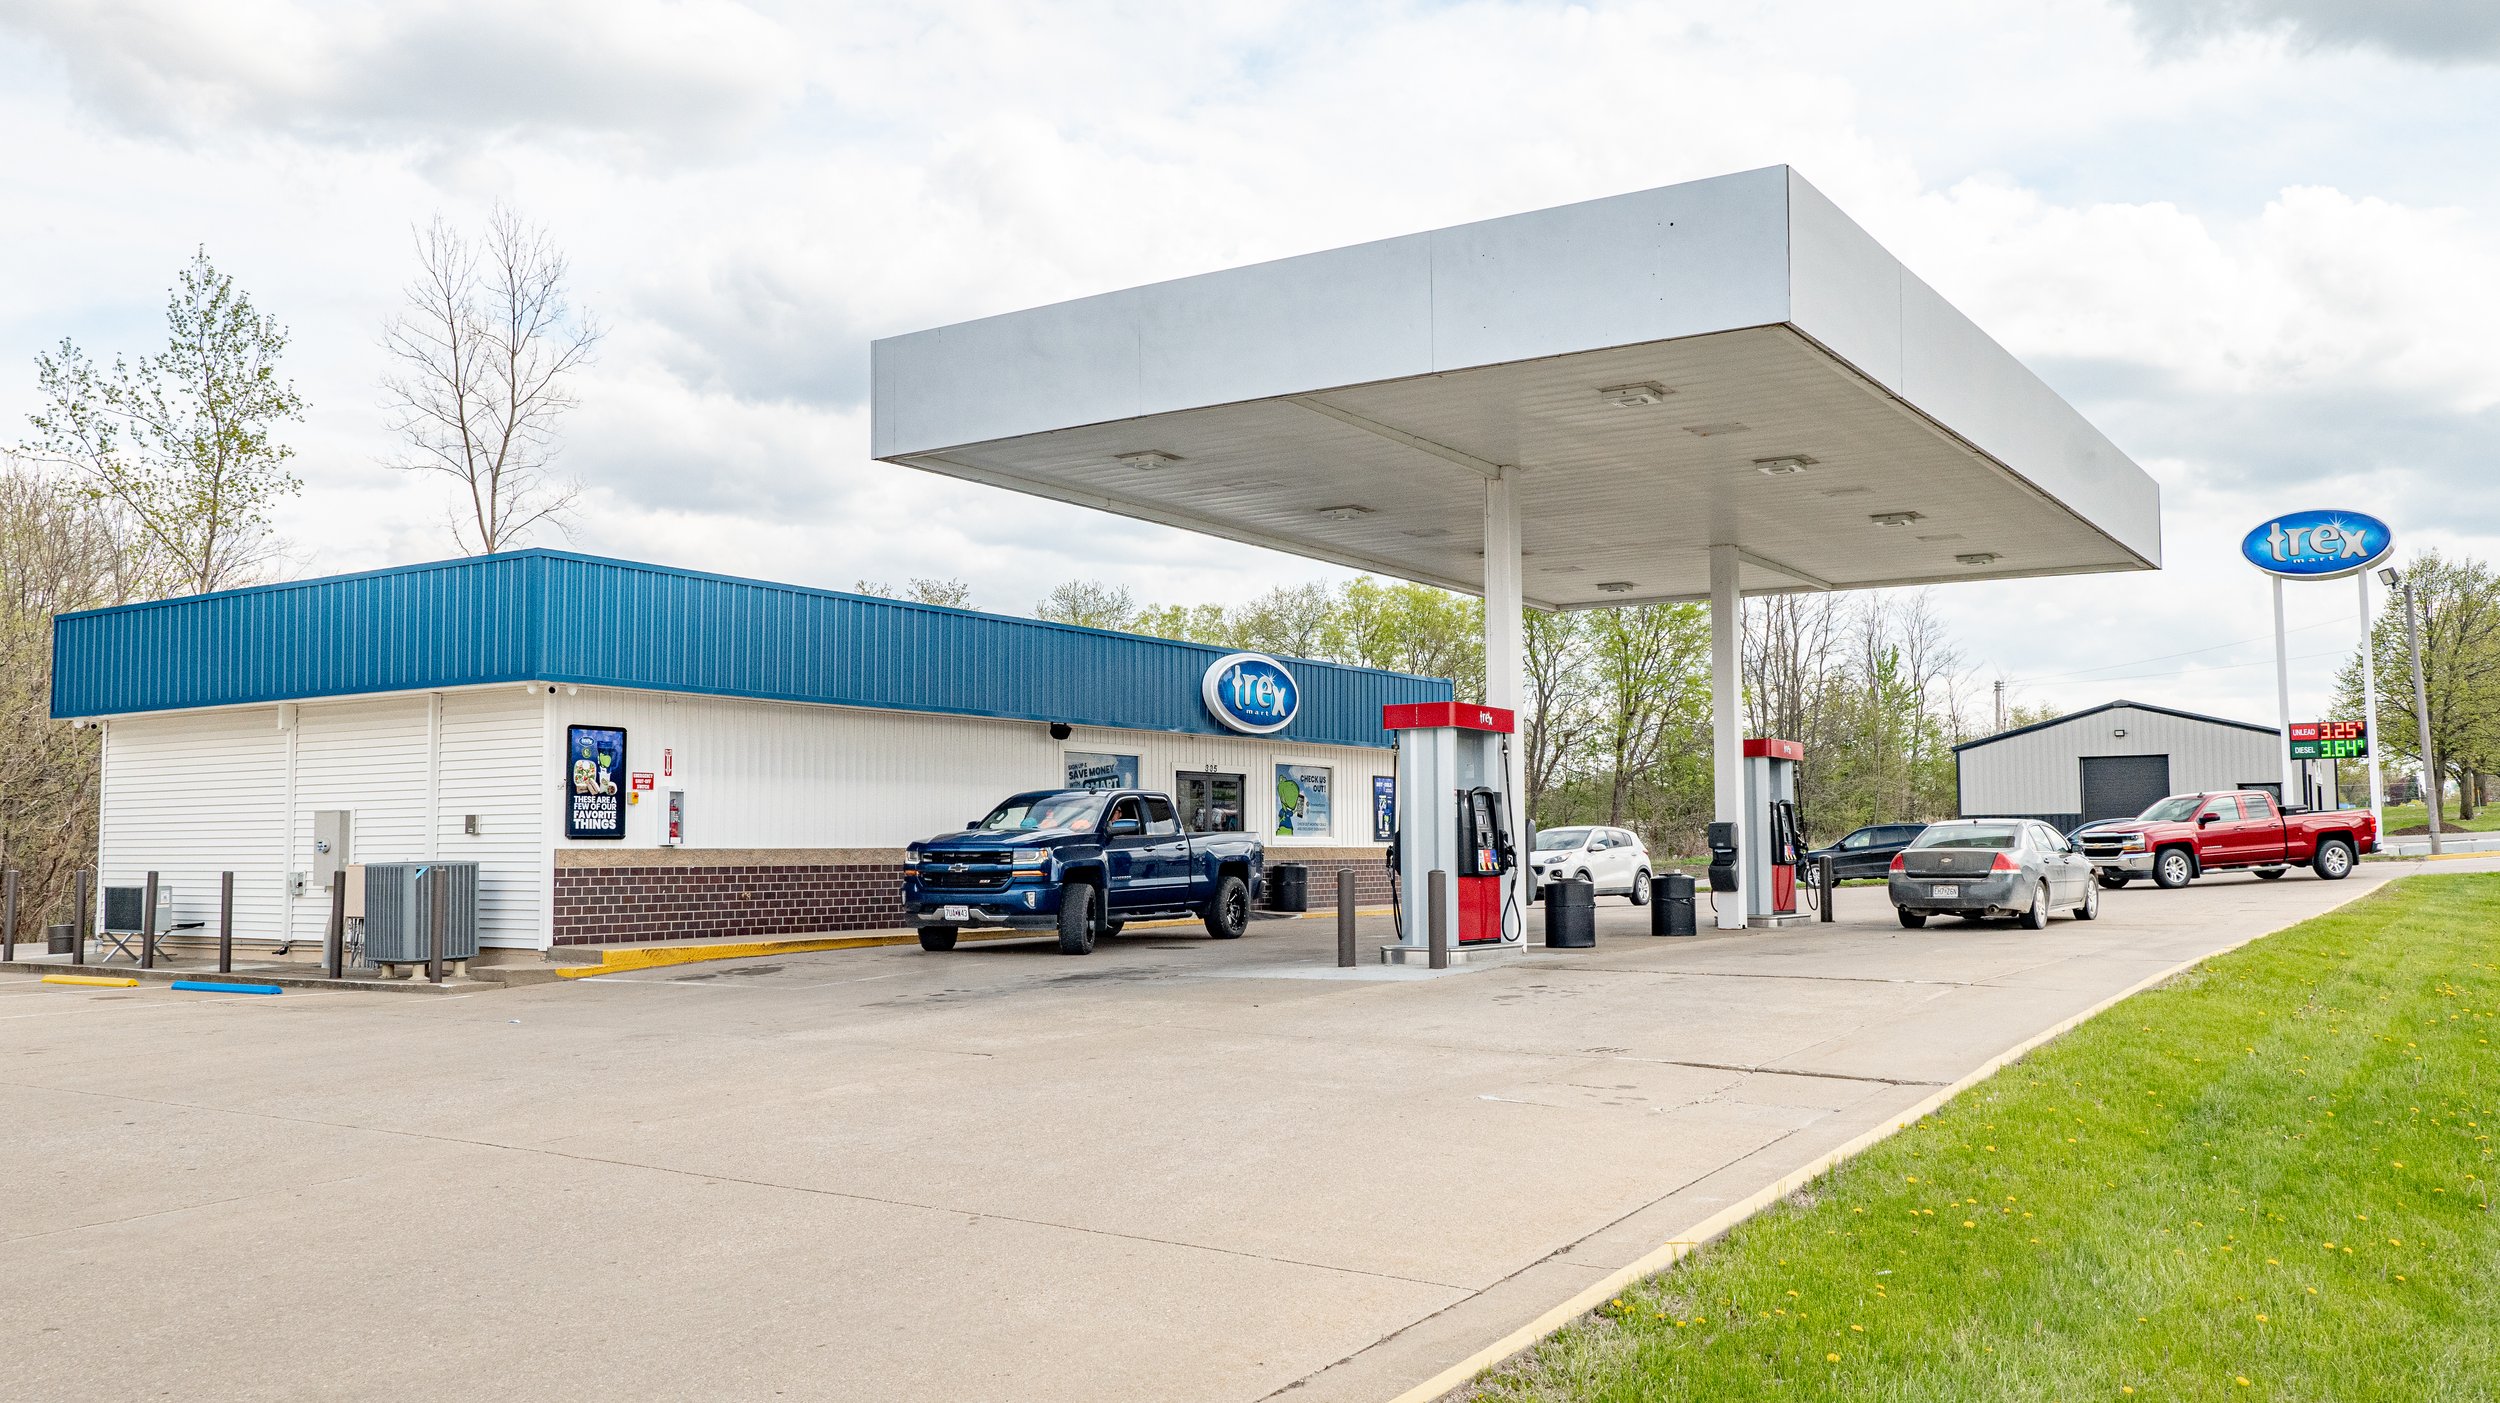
(1730,362)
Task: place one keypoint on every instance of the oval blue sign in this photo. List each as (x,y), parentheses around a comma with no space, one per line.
(2318,545)
(1251,692)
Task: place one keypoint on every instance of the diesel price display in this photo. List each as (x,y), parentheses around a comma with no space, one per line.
(2330,740)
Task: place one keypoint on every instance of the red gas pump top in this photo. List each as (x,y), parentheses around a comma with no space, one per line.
(1466,716)
(1775,749)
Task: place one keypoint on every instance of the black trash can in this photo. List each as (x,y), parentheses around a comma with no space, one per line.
(58,940)
(1289,887)
(1570,916)
(1671,910)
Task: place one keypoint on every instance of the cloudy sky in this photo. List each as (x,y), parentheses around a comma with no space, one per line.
(2253,239)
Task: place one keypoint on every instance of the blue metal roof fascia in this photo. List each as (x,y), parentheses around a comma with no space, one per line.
(561,617)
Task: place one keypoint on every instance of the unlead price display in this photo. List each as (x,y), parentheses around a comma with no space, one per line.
(2330,740)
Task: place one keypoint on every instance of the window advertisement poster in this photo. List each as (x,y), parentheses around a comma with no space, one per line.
(1302,801)
(1384,808)
(1091,771)
(594,801)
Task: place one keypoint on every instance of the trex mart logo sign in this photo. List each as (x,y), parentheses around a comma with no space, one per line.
(2318,545)
(1251,693)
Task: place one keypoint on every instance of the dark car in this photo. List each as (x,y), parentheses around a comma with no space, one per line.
(1079,863)
(1865,853)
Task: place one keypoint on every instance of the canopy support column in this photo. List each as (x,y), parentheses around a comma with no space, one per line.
(1727,700)
(1505,672)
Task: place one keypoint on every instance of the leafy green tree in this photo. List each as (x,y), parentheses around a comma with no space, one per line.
(954,594)
(1652,664)
(182,441)
(1089,604)
(1563,713)
(1410,628)
(2459,617)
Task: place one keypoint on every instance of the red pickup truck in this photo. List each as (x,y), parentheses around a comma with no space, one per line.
(2187,835)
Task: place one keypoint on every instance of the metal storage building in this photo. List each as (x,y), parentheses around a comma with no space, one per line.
(2110,761)
(428,712)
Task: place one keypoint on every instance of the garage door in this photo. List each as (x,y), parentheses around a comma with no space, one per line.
(2122,786)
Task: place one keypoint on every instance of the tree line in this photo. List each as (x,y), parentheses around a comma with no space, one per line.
(162,474)
(1616,725)
(2458,617)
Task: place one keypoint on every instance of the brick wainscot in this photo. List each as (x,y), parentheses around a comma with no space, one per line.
(608,896)
(613,896)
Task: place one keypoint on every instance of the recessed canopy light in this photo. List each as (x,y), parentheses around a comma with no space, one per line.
(1147,458)
(1346,512)
(1714,430)
(1894,518)
(1615,586)
(1978,557)
(1647,392)
(1788,466)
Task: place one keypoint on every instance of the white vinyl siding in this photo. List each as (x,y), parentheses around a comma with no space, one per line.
(2039,771)
(788,775)
(194,794)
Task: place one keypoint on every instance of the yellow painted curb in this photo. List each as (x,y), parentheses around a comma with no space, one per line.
(1718,1224)
(656,957)
(100,981)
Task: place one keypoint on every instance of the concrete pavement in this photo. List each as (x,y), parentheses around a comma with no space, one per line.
(1174,1170)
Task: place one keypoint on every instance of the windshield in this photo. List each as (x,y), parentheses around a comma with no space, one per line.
(1969,835)
(2175,809)
(1554,840)
(1030,811)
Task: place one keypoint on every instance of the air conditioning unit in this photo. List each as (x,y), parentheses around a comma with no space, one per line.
(399,911)
(125,907)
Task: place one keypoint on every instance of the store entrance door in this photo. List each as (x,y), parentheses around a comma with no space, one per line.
(1210,802)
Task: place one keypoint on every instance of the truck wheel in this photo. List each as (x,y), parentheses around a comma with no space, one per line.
(2036,915)
(1910,919)
(1640,887)
(1076,919)
(1228,915)
(2268,874)
(937,938)
(2115,880)
(2090,910)
(2173,869)
(2334,860)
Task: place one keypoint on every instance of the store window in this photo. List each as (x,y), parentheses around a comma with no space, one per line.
(1210,802)
(1304,801)
(1087,770)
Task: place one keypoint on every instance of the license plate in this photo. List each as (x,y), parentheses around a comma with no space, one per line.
(957,913)
(1947,890)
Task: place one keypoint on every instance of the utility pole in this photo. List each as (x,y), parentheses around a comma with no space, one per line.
(2432,786)
(2000,703)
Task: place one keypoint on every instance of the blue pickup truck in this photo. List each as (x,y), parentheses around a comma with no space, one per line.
(1080,863)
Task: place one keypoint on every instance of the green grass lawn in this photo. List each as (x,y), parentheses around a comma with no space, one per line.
(2401,817)
(2270,1178)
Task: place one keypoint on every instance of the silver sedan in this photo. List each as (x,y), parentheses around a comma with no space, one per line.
(1992,867)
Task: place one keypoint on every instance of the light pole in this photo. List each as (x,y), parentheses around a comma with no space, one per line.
(2431,783)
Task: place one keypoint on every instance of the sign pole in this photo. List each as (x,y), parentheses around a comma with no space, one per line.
(2369,707)
(2292,786)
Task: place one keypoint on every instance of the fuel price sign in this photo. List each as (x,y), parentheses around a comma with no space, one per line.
(2330,740)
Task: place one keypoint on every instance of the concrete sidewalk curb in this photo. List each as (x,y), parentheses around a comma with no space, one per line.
(1718,1224)
(662,956)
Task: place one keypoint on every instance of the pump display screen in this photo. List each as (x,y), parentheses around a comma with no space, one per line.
(2330,740)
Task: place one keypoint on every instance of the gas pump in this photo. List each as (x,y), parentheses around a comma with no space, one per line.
(1774,842)
(1454,801)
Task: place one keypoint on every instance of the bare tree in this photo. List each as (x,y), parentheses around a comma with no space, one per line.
(1089,603)
(954,594)
(483,358)
(1563,714)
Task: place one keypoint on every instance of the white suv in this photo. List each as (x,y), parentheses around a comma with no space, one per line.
(1611,859)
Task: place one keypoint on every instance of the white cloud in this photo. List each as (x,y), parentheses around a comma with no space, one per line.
(2259,262)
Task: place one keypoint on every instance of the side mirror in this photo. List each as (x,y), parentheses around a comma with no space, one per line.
(1126,828)
(2203,819)
(974,823)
